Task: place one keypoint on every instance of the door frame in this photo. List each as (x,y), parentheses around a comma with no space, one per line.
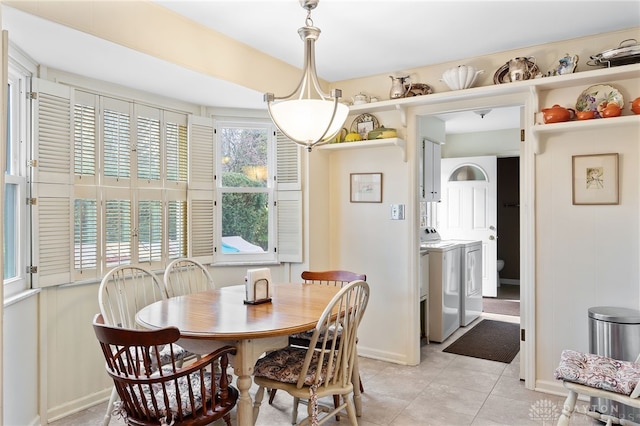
(528,101)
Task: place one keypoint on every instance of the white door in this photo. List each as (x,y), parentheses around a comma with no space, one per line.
(468,209)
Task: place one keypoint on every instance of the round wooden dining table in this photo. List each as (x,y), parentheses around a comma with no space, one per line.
(211,319)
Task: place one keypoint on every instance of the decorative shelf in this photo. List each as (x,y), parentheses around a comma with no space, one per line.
(376,143)
(596,123)
(540,130)
(594,76)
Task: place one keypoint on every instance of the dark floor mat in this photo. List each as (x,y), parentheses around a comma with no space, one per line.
(492,340)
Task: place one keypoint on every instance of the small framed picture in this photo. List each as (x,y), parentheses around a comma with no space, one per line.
(595,179)
(366,187)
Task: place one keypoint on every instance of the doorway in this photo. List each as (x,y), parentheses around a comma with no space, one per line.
(518,106)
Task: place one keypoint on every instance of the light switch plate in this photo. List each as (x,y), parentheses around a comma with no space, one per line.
(397,211)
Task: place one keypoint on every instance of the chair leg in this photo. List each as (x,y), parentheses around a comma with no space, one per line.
(351,412)
(567,409)
(112,401)
(336,404)
(272,394)
(294,412)
(357,388)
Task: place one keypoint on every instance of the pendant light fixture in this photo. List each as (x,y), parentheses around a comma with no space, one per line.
(308,116)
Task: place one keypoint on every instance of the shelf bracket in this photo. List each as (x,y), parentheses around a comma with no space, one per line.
(403,115)
(402,144)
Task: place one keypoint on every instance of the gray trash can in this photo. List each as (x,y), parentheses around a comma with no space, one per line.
(615,333)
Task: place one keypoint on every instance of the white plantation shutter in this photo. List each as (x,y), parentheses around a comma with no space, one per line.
(147,144)
(201,153)
(289,200)
(176,147)
(85,128)
(288,164)
(289,226)
(52,123)
(118,231)
(53,247)
(86,235)
(201,225)
(116,143)
(201,192)
(52,177)
(176,224)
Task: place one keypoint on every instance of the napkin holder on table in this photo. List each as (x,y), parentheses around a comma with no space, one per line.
(258,286)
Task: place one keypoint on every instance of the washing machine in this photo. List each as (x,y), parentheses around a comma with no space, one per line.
(444,285)
(470,280)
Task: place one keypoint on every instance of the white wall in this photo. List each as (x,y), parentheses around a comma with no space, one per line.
(586,255)
(21,356)
(364,239)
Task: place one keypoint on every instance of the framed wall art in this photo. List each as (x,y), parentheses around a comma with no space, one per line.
(595,179)
(366,187)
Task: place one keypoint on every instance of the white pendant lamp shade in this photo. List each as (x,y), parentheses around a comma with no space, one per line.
(308,116)
(305,120)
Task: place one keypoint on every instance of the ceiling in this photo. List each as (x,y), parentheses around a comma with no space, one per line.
(359,38)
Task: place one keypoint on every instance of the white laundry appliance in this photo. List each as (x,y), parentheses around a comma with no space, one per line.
(470,280)
(444,284)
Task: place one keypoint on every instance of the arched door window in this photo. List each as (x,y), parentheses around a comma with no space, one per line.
(468,172)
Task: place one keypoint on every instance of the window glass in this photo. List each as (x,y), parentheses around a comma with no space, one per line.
(149,231)
(118,232)
(177,236)
(177,160)
(467,173)
(246,192)
(10,230)
(85,140)
(85,234)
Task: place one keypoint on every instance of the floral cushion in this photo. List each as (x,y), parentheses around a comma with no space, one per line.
(179,354)
(303,339)
(172,392)
(285,365)
(598,371)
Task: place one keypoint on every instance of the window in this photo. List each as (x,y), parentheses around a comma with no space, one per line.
(142,184)
(246,188)
(122,182)
(15,244)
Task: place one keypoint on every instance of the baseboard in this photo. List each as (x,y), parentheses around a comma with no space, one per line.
(81,404)
(509,281)
(393,357)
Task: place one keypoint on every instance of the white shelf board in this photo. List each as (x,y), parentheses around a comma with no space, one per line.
(376,143)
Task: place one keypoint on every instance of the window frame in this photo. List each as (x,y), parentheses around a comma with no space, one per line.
(18,141)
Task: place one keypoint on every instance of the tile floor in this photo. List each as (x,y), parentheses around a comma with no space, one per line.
(445,389)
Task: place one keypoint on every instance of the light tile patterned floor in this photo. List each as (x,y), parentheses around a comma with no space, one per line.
(445,389)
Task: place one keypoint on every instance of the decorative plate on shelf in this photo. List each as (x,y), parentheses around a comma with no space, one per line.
(363,124)
(502,74)
(596,97)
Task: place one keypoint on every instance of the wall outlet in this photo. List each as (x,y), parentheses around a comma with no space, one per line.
(397,211)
